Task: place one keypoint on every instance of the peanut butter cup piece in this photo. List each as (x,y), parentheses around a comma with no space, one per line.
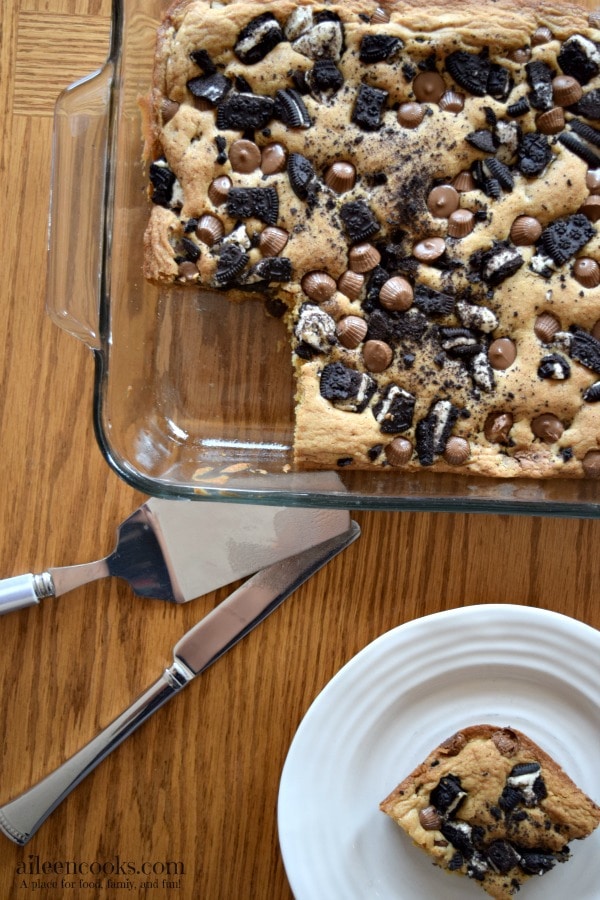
(272,240)
(351,331)
(461,223)
(244,156)
(587,272)
(219,189)
(591,464)
(457,451)
(545,327)
(351,284)
(210,230)
(430,819)
(497,427)
(521,55)
(525,231)
(591,207)
(410,115)
(452,101)
(454,744)
(429,249)
(566,90)
(506,741)
(552,121)
(273,159)
(380,16)
(399,452)
(429,87)
(442,201)
(363,257)
(168,108)
(464,182)
(340,177)
(548,428)
(319,286)
(377,356)
(187,270)
(502,353)
(541,35)
(592,181)
(396,294)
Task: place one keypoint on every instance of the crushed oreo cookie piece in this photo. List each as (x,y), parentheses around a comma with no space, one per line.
(315,328)
(434,429)
(376,48)
(499,171)
(162,180)
(301,174)
(539,76)
(459,343)
(346,388)
(589,105)
(258,203)
(592,394)
(289,108)
(565,237)
(585,131)
(239,112)
(448,794)
(579,58)
(369,106)
(273,269)
(232,261)
(324,80)
(554,367)
(583,151)
(359,221)
(499,83)
(483,140)
(189,249)
(470,71)
(212,88)
(534,153)
(394,410)
(536,862)
(498,263)
(432,302)
(258,38)
(585,349)
(203,61)
(518,109)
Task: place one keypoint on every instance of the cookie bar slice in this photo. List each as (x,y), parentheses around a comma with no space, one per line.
(490,804)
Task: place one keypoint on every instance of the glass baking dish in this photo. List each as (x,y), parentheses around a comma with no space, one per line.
(193,394)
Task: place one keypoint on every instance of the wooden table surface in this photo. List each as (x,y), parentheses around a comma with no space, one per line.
(198,784)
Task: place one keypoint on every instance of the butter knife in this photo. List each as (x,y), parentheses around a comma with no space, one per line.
(201,646)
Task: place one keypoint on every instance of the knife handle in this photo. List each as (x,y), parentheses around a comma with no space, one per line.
(20,818)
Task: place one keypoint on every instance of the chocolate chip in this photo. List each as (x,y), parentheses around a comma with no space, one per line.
(470,71)
(585,349)
(554,367)
(534,153)
(301,174)
(232,260)
(565,237)
(578,58)
(359,221)
(162,180)
(258,38)
(368,107)
(244,111)
(376,48)
(290,109)
(539,76)
(346,388)
(432,302)
(394,410)
(259,203)
(213,88)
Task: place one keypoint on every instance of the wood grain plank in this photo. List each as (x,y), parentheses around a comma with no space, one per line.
(53,50)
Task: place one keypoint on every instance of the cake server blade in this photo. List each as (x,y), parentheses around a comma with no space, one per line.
(202,645)
(177,550)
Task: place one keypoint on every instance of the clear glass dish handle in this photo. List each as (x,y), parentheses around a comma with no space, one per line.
(77,205)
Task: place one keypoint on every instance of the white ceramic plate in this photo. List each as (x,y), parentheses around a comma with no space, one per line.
(392,704)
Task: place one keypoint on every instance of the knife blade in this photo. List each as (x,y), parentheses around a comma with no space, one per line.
(201,646)
(177,550)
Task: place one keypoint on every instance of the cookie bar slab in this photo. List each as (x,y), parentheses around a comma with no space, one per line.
(418,188)
(490,804)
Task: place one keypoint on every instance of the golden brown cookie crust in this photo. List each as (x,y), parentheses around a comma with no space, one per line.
(397,167)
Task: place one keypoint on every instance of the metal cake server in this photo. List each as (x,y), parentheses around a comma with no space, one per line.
(198,648)
(177,550)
